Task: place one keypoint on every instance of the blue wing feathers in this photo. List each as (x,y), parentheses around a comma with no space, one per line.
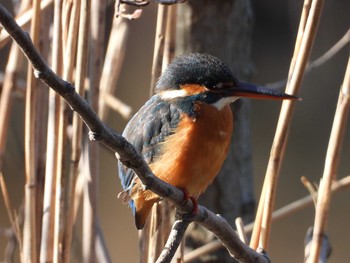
(156,120)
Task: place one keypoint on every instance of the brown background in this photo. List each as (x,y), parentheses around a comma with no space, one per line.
(273,39)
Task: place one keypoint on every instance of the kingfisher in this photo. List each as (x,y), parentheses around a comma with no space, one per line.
(184,130)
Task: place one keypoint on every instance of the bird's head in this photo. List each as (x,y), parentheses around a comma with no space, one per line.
(206,78)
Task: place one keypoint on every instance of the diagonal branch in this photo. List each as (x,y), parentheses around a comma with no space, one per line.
(124,150)
(177,232)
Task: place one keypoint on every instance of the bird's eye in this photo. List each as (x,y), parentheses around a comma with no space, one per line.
(224,85)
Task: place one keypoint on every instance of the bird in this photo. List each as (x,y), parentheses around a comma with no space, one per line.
(184,130)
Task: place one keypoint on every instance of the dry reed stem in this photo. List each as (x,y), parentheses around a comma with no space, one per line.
(254,241)
(30,237)
(240,230)
(177,232)
(345,39)
(115,104)
(12,216)
(23,20)
(97,35)
(124,150)
(164,49)
(156,238)
(41,125)
(330,53)
(81,69)
(111,69)
(148,241)
(300,35)
(61,185)
(10,79)
(158,45)
(102,254)
(331,167)
(170,37)
(144,238)
(276,215)
(47,236)
(283,125)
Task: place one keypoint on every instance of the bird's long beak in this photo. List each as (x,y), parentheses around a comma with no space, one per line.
(247,90)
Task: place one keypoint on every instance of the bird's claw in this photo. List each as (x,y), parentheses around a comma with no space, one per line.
(194,202)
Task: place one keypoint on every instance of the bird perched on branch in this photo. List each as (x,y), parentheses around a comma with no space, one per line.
(184,130)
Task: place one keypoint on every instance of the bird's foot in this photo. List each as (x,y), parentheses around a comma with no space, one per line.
(194,202)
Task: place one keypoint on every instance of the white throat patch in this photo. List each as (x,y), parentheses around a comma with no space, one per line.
(221,103)
(173,94)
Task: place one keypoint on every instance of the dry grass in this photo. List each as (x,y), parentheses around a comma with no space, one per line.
(51,211)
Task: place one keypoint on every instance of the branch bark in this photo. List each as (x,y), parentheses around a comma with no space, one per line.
(124,150)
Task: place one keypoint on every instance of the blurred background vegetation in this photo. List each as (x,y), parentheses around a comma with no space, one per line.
(275,27)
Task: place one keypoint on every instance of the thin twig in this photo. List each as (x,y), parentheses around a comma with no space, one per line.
(111,69)
(96,56)
(240,230)
(117,105)
(170,37)
(125,151)
(254,241)
(222,229)
(330,53)
(158,46)
(284,122)
(77,126)
(311,188)
(47,239)
(42,94)
(11,215)
(276,215)
(23,20)
(177,232)
(12,69)
(11,245)
(326,248)
(69,55)
(331,167)
(158,228)
(102,254)
(30,221)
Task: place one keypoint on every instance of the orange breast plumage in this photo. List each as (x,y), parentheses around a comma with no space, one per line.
(193,155)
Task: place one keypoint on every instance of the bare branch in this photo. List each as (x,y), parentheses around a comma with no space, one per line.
(177,232)
(24,20)
(124,150)
(277,215)
(222,229)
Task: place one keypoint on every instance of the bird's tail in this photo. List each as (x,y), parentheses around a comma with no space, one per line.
(143,205)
